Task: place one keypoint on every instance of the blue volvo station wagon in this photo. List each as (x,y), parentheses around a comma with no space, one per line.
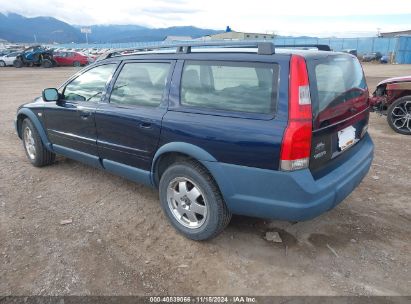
(217,128)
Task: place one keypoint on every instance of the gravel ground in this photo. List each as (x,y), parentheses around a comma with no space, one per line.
(120,243)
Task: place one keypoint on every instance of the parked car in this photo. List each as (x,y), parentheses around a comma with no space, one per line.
(384,59)
(7,60)
(35,56)
(392,97)
(263,132)
(72,58)
(375,56)
(4,52)
(351,51)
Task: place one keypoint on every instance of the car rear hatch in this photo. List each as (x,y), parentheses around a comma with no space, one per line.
(339,99)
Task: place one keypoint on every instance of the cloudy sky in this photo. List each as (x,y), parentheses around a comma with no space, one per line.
(344,18)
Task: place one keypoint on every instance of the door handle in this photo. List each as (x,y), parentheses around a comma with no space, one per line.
(85,114)
(145,125)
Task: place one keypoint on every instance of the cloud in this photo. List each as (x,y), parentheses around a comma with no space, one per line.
(164,10)
(299,17)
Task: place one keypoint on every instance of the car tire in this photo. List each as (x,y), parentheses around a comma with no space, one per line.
(206,212)
(35,150)
(2,64)
(76,64)
(46,63)
(18,63)
(399,115)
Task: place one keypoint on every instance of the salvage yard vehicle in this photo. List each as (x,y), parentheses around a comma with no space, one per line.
(375,56)
(392,97)
(7,60)
(4,52)
(351,51)
(219,129)
(384,59)
(71,59)
(35,56)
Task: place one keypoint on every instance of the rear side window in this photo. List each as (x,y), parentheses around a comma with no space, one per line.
(140,84)
(230,86)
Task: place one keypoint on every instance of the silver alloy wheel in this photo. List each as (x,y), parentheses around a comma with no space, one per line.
(2,64)
(29,143)
(187,203)
(401,116)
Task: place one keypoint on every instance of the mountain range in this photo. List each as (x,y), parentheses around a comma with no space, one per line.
(17,28)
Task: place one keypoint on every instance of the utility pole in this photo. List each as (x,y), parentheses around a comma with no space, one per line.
(35,38)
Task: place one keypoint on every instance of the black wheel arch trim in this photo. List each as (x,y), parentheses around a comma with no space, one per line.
(184,148)
(34,119)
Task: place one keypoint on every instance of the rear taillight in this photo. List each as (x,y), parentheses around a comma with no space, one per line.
(296,145)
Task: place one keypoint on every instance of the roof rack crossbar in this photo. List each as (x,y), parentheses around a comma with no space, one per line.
(263,47)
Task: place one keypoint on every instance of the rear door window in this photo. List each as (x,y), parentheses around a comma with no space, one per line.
(230,86)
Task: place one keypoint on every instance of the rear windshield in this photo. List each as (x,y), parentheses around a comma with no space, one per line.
(334,80)
(230,86)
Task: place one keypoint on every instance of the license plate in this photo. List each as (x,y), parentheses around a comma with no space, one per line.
(346,138)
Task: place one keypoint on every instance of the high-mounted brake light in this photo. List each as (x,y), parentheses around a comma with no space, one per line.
(296,145)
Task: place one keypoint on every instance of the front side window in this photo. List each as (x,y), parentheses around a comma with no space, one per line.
(140,84)
(90,85)
(230,86)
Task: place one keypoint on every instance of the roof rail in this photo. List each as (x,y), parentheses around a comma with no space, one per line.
(263,47)
(320,47)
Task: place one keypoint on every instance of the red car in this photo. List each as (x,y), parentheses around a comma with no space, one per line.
(393,98)
(71,58)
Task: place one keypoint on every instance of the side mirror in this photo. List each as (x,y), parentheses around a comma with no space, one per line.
(50,94)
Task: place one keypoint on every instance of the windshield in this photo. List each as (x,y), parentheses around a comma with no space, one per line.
(338,88)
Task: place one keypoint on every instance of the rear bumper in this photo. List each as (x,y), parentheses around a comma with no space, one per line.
(292,196)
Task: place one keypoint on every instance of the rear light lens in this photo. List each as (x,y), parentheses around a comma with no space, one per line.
(296,145)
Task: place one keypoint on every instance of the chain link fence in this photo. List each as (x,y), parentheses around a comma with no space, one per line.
(397,48)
